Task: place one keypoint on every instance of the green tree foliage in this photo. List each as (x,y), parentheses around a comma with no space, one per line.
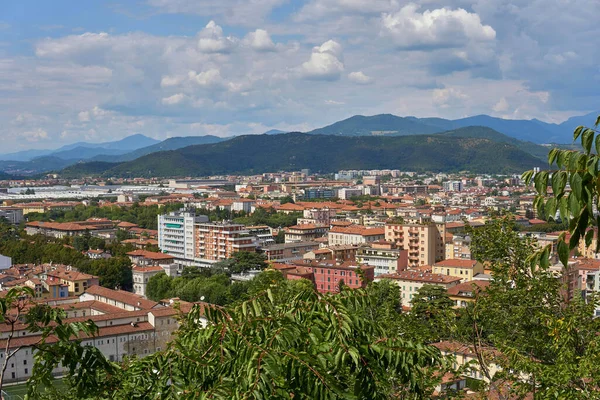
(83,362)
(269,217)
(432,313)
(308,346)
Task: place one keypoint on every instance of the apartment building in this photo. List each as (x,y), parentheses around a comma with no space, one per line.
(339,253)
(176,233)
(75,281)
(288,251)
(459,248)
(386,257)
(424,241)
(327,276)
(13,215)
(463,269)
(354,235)
(141,276)
(317,216)
(128,326)
(217,241)
(305,233)
(466,292)
(411,281)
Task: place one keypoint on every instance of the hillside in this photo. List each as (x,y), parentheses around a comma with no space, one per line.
(534,131)
(173,143)
(483,132)
(383,124)
(254,154)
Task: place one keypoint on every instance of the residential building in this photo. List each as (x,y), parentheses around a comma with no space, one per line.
(283,252)
(76,282)
(347,193)
(317,216)
(149,258)
(354,234)
(411,281)
(459,248)
(141,275)
(176,233)
(13,215)
(424,241)
(466,355)
(128,326)
(263,234)
(217,241)
(338,253)
(463,269)
(5,262)
(305,233)
(386,257)
(328,276)
(453,186)
(466,292)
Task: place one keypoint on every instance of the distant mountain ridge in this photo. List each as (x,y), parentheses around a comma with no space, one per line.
(81,150)
(253,154)
(535,131)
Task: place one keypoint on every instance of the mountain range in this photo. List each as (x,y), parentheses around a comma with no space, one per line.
(535,131)
(475,149)
(526,134)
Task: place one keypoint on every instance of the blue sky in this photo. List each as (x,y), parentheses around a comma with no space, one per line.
(101,70)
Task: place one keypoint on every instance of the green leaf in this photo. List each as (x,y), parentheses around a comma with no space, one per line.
(577,132)
(587,139)
(552,155)
(551,208)
(576,185)
(597,121)
(563,252)
(559,182)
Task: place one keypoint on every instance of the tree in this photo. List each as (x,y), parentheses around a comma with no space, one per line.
(82,362)
(306,346)
(159,287)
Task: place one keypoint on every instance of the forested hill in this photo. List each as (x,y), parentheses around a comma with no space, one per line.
(255,154)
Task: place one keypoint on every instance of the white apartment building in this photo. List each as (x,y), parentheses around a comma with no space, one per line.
(453,186)
(176,233)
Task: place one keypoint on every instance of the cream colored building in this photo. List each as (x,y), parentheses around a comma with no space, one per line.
(411,281)
(463,269)
(424,241)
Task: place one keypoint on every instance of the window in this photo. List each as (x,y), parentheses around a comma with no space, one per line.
(26,371)
(24,362)
(13,375)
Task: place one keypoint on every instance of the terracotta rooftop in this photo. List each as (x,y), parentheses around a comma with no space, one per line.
(424,277)
(453,263)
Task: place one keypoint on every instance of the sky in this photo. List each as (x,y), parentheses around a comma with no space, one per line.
(101,70)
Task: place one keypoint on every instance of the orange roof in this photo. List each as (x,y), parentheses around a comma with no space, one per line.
(420,277)
(358,230)
(150,255)
(457,263)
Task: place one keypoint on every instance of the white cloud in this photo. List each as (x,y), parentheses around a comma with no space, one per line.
(35,135)
(212,40)
(448,97)
(438,28)
(360,78)
(260,40)
(167,81)
(175,99)
(501,106)
(84,116)
(322,8)
(325,62)
(211,77)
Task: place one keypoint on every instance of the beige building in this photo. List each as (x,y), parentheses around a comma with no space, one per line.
(217,241)
(463,269)
(459,248)
(354,234)
(386,257)
(305,232)
(411,281)
(424,241)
